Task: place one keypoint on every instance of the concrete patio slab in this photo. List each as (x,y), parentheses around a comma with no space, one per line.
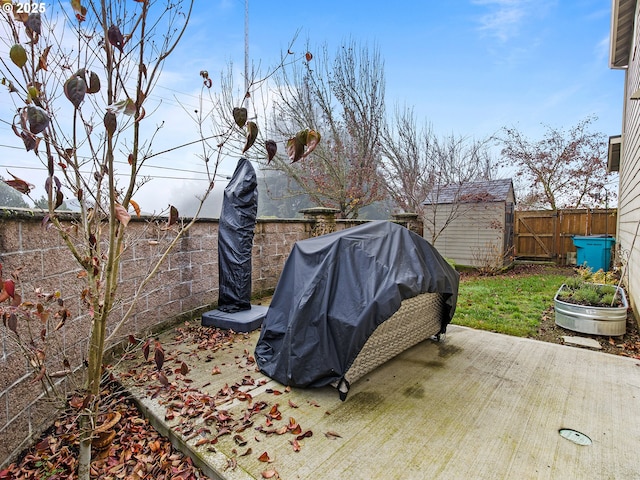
(478,405)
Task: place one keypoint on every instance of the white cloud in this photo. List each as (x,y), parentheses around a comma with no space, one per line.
(504,19)
(602,49)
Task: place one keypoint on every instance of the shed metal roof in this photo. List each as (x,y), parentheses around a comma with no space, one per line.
(472,192)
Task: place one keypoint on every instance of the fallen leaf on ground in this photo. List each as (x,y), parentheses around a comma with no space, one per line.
(264,457)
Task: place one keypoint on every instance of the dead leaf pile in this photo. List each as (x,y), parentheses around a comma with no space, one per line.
(137,451)
(204,415)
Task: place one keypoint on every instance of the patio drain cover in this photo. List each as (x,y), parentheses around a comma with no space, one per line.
(575,436)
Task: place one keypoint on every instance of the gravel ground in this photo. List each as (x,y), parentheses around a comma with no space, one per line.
(627,345)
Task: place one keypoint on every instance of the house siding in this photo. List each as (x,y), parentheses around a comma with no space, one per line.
(629,175)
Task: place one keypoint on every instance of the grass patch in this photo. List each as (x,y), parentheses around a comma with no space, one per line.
(509,304)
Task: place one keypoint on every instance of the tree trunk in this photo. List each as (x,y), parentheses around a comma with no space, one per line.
(94,374)
(84,455)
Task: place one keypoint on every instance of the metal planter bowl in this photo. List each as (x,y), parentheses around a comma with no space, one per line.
(592,320)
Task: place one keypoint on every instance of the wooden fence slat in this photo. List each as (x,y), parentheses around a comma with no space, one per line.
(552,231)
(535,236)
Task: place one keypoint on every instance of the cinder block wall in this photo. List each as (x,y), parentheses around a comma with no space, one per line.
(187,282)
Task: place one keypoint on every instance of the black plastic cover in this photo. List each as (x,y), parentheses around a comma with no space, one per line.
(235,238)
(334,292)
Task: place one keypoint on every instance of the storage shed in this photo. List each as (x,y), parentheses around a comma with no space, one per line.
(472,223)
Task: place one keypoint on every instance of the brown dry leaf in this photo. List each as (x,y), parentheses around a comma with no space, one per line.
(272,149)
(265,457)
(240,441)
(141,115)
(292,405)
(184,369)
(135,207)
(232,463)
(173,215)
(294,149)
(40,375)
(332,435)
(122,215)
(296,445)
(239,115)
(306,434)
(270,474)
(145,349)
(274,413)
(76,401)
(12,323)
(252,134)
(158,355)
(10,288)
(42,62)
(19,184)
(63,314)
(216,370)
(313,138)
(163,379)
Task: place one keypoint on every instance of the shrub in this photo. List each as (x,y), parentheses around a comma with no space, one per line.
(587,275)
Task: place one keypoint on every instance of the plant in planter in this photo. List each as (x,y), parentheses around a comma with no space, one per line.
(579,292)
(594,308)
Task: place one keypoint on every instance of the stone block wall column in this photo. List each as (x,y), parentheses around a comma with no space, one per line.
(323,220)
(410,221)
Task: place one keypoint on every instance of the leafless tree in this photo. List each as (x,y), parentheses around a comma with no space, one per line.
(418,165)
(342,97)
(564,169)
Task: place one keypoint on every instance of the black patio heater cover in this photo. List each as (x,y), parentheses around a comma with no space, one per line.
(235,238)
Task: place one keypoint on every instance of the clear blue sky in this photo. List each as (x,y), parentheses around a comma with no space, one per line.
(469,67)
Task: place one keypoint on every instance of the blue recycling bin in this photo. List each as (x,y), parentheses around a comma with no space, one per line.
(594,251)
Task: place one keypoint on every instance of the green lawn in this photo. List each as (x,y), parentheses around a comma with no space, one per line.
(510,304)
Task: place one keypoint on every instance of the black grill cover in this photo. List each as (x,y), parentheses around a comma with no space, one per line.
(336,289)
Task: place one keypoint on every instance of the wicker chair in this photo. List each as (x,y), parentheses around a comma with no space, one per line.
(417,319)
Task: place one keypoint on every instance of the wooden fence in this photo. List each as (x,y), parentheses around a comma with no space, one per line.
(546,235)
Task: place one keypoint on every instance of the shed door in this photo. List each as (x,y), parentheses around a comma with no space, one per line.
(509,220)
